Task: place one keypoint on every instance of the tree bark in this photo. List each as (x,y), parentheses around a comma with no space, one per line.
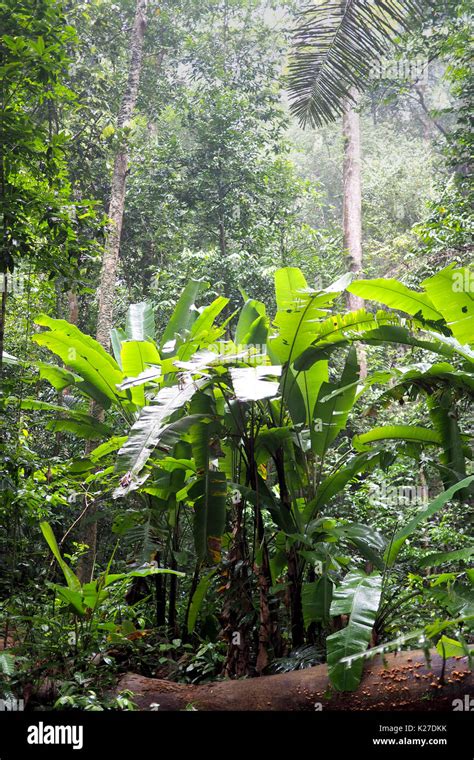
(352,206)
(236,618)
(403,681)
(3,314)
(112,248)
(117,195)
(352,197)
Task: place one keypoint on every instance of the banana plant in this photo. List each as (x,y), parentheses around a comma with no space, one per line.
(264,416)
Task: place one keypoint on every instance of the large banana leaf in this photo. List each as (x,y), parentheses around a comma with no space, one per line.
(396,295)
(433,559)
(359,597)
(332,409)
(411,433)
(385,328)
(452,293)
(302,389)
(198,598)
(59,377)
(423,514)
(185,313)
(316,600)
(150,426)
(203,325)
(209,496)
(72,420)
(140,322)
(426,379)
(290,285)
(85,356)
(252,326)
(299,314)
(354,325)
(369,542)
(136,357)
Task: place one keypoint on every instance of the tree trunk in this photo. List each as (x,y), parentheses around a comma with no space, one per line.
(296,601)
(117,195)
(236,618)
(3,314)
(352,207)
(112,248)
(403,681)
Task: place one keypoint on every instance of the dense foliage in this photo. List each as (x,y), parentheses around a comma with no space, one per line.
(276,480)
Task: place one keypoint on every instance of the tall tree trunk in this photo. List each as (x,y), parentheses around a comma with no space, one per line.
(3,313)
(117,195)
(112,246)
(352,206)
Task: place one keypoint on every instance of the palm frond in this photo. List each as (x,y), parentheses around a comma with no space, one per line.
(335,45)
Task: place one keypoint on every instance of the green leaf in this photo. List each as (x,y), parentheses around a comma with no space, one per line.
(89,428)
(290,284)
(439,558)
(136,356)
(367,540)
(334,483)
(447,647)
(58,377)
(84,355)
(299,315)
(411,433)
(396,295)
(202,327)
(209,496)
(316,600)
(335,46)
(442,409)
(7,664)
(198,598)
(423,514)
(151,425)
(359,597)
(452,293)
(332,410)
(252,326)
(185,313)
(309,383)
(73,598)
(140,322)
(72,580)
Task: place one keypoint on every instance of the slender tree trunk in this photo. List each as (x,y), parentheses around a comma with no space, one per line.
(160,590)
(112,246)
(173,592)
(352,197)
(352,207)
(117,195)
(3,313)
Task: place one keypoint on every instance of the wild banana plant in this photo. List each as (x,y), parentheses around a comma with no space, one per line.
(246,440)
